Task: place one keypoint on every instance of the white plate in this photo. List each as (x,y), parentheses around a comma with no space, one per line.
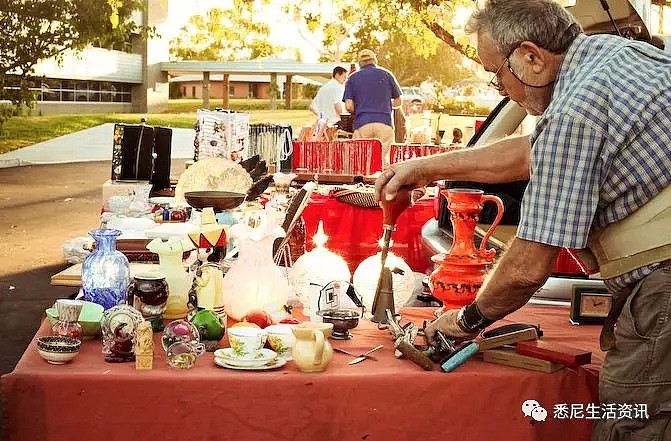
(227,355)
(277,363)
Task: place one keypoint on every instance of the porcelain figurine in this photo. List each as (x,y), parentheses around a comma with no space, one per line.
(207,290)
(253,280)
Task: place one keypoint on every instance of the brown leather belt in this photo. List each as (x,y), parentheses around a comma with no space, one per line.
(607,337)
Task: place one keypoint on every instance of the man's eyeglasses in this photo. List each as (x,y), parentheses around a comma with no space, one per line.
(495,83)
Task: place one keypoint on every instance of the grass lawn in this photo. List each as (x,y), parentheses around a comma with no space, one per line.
(22,131)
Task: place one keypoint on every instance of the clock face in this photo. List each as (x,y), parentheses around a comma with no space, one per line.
(595,305)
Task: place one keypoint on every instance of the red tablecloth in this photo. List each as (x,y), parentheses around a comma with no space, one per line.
(354,232)
(388,399)
(349,157)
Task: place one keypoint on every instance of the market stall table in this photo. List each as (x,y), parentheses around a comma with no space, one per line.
(388,399)
(354,231)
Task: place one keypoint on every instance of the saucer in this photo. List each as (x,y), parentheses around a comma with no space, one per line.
(227,355)
(274,364)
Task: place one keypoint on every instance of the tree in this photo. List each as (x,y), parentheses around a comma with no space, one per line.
(411,68)
(327,25)
(35,30)
(223,35)
(342,19)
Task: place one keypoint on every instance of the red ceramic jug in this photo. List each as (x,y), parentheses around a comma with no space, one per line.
(462,270)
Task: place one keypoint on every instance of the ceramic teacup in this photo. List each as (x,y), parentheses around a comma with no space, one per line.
(281,339)
(246,342)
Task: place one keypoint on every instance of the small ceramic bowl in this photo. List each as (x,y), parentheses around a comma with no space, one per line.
(58,350)
(343,320)
(281,339)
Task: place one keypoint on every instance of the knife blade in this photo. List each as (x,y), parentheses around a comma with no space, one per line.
(366,355)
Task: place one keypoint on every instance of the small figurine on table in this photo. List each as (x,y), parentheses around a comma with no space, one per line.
(207,287)
(144,346)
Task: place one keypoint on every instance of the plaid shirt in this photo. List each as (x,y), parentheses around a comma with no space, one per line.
(602,148)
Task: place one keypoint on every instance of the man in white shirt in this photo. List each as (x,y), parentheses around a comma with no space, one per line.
(328,100)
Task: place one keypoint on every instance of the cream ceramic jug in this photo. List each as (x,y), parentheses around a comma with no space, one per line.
(312,352)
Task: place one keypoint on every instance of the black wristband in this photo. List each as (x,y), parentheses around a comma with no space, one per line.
(471,319)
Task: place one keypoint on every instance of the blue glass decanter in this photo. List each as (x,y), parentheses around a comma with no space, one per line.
(105,272)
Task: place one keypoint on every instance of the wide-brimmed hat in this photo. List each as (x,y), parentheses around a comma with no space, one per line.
(366,55)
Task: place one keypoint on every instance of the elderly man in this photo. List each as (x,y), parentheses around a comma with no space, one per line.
(369,93)
(599,165)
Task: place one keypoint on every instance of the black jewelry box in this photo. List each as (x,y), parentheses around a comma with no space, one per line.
(142,153)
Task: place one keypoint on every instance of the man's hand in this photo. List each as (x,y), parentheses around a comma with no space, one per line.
(447,324)
(404,174)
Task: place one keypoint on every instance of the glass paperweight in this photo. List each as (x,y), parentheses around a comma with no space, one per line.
(183,355)
(179,331)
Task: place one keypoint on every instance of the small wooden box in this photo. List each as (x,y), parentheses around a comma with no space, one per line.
(509,357)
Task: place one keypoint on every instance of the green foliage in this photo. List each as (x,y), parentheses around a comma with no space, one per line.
(224,35)
(453,107)
(309,91)
(327,23)
(35,30)
(411,67)
(23,131)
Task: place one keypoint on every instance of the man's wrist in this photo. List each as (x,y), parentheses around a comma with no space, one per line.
(471,320)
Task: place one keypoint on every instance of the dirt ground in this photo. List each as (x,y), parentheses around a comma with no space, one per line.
(40,208)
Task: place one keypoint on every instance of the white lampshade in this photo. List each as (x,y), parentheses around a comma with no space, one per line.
(314,269)
(367,274)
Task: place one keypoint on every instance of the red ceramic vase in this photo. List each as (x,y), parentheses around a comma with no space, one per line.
(461,272)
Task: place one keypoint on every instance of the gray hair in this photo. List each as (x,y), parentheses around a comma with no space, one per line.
(510,22)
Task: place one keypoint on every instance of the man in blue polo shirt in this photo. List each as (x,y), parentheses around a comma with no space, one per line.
(368,95)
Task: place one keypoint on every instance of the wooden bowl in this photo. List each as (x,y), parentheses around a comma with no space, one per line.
(218,200)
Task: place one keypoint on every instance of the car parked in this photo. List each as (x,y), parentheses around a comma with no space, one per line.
(411,94)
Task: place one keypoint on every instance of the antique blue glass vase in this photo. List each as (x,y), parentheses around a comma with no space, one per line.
(105,272)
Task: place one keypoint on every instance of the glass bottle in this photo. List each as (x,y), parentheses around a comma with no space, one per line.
(68,316)
(105,272)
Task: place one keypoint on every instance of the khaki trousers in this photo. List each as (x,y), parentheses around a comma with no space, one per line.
(638,369)
(382,132)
